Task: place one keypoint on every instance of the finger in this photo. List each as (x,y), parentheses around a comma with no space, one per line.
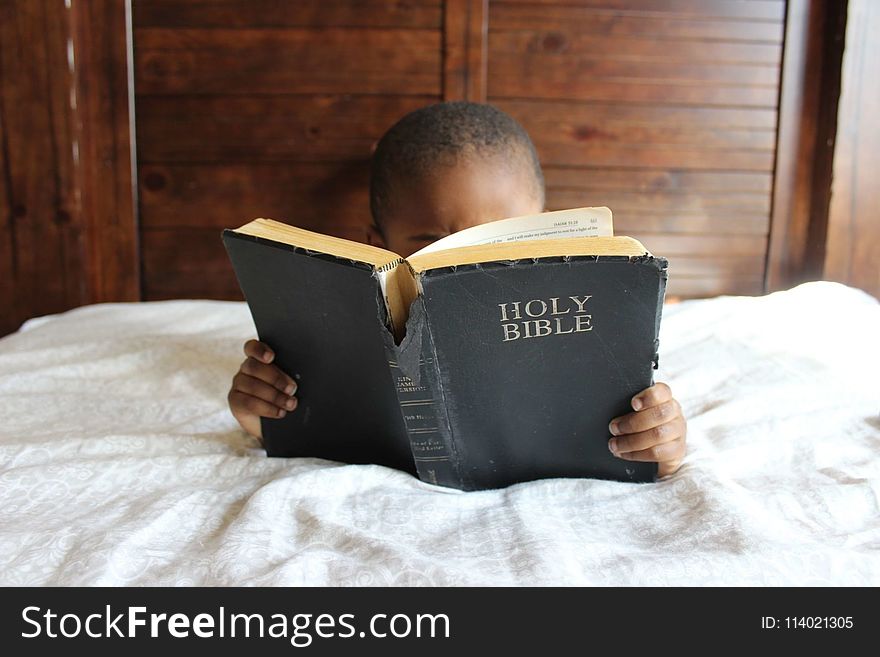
(270,374)
(645,419)
(671,451)
(240,402)
(257,388)
(258,350)
(635,442)
(656,394)
(666,468)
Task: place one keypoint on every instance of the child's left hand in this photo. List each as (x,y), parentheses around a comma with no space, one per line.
(656,431)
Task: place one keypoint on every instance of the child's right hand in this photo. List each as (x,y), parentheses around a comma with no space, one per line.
(260,389)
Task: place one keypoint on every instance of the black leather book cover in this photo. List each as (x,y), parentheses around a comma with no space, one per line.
(534,358)
(324,318)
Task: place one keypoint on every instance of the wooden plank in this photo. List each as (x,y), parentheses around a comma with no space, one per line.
(806,128)
(226,196)
(606,70)
(297,60)
(773,11)
(529,78)
(40,227)
(735,266)
(655,156)
(564,125)
(701,203)
(465,27)
(101,40)
(574,43)
(186,263)
(671,180)
(505,16)
(192,263)
(217,129)
(704,287)
(274,14)
(667,245)
(853,254)
(9,317)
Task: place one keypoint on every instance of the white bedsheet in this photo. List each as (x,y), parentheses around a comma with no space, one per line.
(120,464)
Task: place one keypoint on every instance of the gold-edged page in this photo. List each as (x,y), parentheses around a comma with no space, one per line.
(578,222)
(336,246)
(571,246)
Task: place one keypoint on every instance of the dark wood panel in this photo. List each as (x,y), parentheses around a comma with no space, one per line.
(853,255)
(570,80)
(40,227)
(666,213)
(604,69)
(713,127)
(308,60)
(309,195)
(186,263)
(655,156)
(557,45)
(582,119)
(667,245)
(505,16)
(712,286)
(671,180)
(192,263)
(703,203)
(214,129)
(733,266)
(807,112)
(761,10)
(100,38)
(465,25)
(298,13)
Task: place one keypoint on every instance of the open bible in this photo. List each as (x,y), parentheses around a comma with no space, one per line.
(496,355)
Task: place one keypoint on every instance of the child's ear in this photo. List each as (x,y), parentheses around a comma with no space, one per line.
(374,237)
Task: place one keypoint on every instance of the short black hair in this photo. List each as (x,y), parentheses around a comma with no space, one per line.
(441,134)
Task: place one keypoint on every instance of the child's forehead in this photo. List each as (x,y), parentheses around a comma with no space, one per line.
(466,193)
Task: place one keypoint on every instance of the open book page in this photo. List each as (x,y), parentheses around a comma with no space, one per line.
(579,222)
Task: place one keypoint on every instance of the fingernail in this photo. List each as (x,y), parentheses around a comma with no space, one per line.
(281,412)
(612,446)
(637,403)
(290,403)
(268,356)
(614,428)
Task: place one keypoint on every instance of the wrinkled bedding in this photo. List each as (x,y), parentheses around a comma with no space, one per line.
(120,464)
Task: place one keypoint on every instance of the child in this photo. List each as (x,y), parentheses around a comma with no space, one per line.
(441,169)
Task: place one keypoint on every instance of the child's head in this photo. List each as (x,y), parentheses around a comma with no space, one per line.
(449,166)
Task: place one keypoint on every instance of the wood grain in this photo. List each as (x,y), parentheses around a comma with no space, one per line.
(40,228)
(211,129)
(465,26)
(759,10)
(808,97)
(316,196)
(295,60)
(416,14)
(100,38)
(627,24)
(853,254)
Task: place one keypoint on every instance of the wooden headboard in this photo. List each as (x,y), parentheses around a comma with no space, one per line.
(702,124)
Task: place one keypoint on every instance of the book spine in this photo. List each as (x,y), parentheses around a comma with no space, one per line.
(416,376)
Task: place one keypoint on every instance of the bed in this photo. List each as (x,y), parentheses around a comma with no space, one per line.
(120,464)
